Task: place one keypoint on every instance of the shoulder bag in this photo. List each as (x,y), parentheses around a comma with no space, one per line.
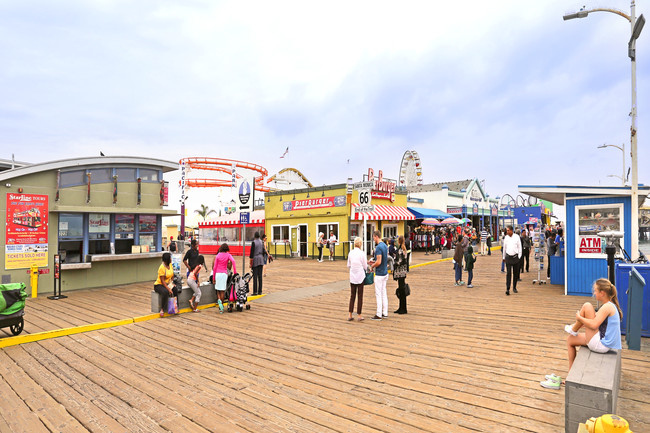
(370,278)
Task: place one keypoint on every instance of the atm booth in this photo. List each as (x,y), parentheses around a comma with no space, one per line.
(589,210)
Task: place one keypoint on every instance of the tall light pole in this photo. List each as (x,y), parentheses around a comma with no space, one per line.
(622,149)
(636,25)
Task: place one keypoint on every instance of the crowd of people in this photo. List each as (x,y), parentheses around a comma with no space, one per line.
(601,327)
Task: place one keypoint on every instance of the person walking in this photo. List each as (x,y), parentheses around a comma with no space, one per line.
(484,235)
(222,262)
(511,256)
(193,283)
(172,245)
(525,251)
(399,274)
(488,243)
(257,263)
(265,254)
(357,265)
(319,244)
(380,265)
(458,261)
(503,262)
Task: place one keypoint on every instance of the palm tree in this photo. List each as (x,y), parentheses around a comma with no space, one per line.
(205,211)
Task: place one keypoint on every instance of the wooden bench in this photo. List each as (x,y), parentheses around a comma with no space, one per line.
(591,387)
(208,296)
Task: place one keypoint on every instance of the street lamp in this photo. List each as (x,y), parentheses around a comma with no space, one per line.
(636,25)
(622,149)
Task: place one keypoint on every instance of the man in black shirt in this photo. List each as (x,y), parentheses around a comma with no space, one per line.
(191,258)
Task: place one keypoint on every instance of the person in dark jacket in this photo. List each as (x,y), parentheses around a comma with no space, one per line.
(525,247)
(399,274)
(469,265)
(257,263)
(458,261)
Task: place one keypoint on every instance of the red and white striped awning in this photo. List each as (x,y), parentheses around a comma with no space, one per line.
(384,213)
(257,217)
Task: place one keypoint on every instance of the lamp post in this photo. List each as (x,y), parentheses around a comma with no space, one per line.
(622,149)
(636,25)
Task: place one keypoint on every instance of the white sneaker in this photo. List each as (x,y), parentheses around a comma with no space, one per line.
(569,329)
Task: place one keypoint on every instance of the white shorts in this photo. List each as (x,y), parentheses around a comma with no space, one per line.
(595,345)
(220,280)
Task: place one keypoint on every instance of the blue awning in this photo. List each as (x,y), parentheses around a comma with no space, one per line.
(428,213)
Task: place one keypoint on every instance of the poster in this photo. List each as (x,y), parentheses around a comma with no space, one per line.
(26,231)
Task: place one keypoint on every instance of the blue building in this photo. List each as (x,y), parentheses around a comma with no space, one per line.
(589,210)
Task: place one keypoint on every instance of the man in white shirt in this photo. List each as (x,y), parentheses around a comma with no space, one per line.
(511,255)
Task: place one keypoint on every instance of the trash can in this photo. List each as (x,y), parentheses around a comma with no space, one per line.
(557,270)
(622,285)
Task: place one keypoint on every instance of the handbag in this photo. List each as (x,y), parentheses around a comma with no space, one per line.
(370,279)
(172,305)
(407,290)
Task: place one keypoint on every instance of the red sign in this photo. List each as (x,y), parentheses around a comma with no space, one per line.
(590,245)
(383,188)
(26,230)
(313,203)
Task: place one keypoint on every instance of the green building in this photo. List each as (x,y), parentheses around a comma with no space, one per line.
(102,217)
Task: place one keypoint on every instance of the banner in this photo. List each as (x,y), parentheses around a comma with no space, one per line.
(26,231)
(315,203)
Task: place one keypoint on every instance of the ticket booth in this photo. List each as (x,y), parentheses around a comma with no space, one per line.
(589,210)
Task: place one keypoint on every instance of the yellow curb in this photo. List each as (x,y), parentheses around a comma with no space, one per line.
(46,335)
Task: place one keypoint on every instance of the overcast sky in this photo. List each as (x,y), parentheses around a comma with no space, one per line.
(504,91)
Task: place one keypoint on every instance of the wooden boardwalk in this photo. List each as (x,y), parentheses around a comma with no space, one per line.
(462,360)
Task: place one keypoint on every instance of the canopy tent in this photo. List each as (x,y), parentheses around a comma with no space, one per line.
(420,212)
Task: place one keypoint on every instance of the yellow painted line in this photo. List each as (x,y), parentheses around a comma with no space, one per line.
(46,335)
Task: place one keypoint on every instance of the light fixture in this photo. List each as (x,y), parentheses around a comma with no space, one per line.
(294,196)
(307,194)
(268,199)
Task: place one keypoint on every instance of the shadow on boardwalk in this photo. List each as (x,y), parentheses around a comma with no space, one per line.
(461,360)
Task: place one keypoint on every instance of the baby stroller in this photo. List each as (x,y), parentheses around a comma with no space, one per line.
(12,307)
(237,290)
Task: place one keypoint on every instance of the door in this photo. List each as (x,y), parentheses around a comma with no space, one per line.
(294,240)
(370,243)
(302,239)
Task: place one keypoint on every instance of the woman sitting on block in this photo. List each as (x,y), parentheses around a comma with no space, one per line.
(602,327)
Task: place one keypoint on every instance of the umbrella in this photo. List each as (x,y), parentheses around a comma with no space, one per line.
(466,220)
(451,220)
(430,222)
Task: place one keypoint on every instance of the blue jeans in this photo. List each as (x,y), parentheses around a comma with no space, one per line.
(459,271)
(470,276)
(503,265)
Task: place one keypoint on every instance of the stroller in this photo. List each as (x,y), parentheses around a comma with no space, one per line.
(237,290)
(12,307)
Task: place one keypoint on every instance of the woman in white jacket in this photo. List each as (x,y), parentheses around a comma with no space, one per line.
(358,264)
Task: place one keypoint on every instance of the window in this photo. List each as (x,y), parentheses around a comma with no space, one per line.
(148,225)
(390,230)
(101,175)
(327,228)
(250,233)
(591,219)
(73,178)
(149,175)
(125,174)
(71,237)
(354,231)
(280,233)
(124,233)
(99,231)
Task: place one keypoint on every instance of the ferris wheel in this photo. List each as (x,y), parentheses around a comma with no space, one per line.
(410,172)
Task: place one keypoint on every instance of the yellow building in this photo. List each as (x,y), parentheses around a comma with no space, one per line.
(293,219)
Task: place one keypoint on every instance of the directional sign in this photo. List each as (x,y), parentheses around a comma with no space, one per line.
(364,209)
(364,185)
(244,218)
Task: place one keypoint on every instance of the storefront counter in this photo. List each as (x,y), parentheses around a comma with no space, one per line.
(136,256)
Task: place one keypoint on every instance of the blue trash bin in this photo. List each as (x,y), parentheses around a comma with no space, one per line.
(622,284)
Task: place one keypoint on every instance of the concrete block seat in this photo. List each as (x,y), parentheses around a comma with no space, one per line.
(208,296)
(592,387)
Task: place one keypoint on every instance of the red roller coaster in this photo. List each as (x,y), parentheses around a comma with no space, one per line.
(224,166)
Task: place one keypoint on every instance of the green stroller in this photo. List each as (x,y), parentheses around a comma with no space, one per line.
(12,307)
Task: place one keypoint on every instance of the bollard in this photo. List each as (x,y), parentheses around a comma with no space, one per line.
(33,278)
(634,311)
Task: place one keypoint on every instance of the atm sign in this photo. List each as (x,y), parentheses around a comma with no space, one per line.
(590,245)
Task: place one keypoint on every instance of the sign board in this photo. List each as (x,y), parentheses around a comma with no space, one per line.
(244,218)
(245,193)
(364,209)
(26,233)
(590,245)
(183,179)
(365,197)
(364,185)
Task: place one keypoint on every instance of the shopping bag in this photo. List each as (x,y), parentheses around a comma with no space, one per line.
(370,279)
(172,305)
